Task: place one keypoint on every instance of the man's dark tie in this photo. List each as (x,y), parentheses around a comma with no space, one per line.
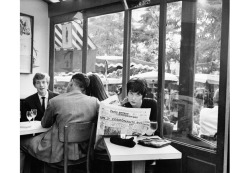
(43,103)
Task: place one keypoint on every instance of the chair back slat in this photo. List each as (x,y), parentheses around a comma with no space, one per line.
(75,132)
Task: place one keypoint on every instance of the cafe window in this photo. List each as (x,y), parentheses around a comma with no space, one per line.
(68,52)
(106,32)
(144,46)
(188,89)
(172,68)
(193,119)
(182,113)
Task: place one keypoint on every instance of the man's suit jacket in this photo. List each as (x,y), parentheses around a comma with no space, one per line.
(68,107)
(33,102)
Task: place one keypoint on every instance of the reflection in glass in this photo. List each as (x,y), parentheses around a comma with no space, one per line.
(194,118)
(181,118)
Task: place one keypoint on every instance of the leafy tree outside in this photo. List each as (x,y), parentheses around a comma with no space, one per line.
(107,33)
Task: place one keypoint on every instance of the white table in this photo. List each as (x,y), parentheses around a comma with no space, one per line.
(138,154)
(27,128)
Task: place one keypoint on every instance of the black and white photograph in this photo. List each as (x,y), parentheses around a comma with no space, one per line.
(165,62)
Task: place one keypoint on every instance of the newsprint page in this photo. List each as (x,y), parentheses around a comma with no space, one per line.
(116,120)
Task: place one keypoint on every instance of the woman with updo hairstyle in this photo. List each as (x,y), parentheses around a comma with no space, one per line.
(96,87)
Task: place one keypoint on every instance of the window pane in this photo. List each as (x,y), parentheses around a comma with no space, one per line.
(106,32)
(193,119)
(144,46)
(68,53)
(207,66)
(172,67)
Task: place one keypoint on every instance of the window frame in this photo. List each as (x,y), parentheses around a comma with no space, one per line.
(224,103)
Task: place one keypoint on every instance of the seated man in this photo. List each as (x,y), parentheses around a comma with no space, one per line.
(209,119)
(73,106)
(40,99)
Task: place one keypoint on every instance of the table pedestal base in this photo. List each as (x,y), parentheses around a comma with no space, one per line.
(138,166)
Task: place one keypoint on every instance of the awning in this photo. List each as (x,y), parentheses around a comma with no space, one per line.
(117,61)
(153,76)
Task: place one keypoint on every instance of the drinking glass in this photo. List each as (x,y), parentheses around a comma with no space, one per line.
(153,126)
(33,113)
(28,115)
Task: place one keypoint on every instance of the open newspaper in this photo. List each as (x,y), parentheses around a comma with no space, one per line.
(116,120)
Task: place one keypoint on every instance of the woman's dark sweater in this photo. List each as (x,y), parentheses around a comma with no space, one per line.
(147,103)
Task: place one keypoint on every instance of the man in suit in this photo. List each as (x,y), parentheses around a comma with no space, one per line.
(73,106)
(40,99)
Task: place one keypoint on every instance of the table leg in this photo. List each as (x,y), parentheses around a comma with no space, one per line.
(112,167)
(138,166)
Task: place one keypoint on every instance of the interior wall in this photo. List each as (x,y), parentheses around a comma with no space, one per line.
(39,10)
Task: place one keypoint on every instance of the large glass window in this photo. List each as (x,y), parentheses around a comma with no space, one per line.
(106,32)
(144,46)
(194,119)
(188,118)
(172,67)
(191,67)
(68,53)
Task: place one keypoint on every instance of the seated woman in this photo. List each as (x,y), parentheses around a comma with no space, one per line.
(96,87)
(136,93)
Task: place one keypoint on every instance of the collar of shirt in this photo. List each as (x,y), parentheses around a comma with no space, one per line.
(46,96)
(74,92)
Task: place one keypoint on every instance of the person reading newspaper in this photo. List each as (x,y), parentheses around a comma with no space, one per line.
(136,93)
(115,120)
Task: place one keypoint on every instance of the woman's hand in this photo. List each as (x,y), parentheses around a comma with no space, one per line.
(125,100)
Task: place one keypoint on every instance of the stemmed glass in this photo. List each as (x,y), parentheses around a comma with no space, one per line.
(28,115)
(153,126)
(33,113)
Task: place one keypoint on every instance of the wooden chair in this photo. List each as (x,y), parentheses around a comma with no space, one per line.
(76,133)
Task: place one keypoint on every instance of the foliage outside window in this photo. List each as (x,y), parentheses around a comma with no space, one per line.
(206,75)
(106,33)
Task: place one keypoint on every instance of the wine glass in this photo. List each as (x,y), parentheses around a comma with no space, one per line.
(28,115)
(153,126)
(33,113)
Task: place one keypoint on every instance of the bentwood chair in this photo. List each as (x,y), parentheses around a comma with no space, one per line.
(76,133)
